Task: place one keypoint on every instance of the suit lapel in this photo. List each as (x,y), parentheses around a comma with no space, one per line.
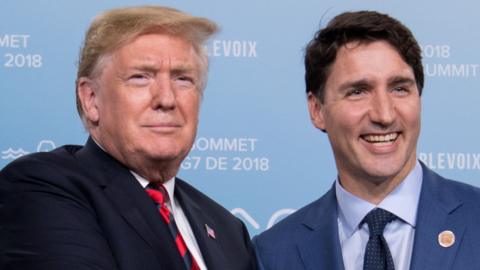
(210,248)
(134,210)
(129,199)
(320,246)
(436,213)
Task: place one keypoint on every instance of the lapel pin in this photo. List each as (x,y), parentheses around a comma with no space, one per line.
(210,231)
(446,239)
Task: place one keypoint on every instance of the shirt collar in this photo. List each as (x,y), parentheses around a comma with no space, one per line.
(402,202)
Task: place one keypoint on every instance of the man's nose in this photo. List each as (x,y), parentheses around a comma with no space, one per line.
(382,111)
(163,94)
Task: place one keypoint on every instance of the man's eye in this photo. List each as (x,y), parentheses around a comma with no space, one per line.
(137,76)
(185,78)
(400,90)
(355,92)
(138,79)
(185,81)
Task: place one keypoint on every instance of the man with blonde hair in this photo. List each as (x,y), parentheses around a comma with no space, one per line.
(116,203)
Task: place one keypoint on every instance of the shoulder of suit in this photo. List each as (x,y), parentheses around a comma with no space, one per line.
(292,226)
(58,155)
(36,167)
(464,191)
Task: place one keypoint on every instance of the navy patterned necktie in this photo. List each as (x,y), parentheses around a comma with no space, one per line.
(377,253)
(159,195)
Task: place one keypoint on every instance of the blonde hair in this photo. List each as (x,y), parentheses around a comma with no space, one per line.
(117,27)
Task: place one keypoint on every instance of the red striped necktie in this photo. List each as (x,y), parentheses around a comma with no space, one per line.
(159,195)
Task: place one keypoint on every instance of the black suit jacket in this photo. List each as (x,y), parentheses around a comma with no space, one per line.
(78,208)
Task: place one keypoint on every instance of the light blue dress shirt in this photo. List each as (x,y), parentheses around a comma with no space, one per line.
(399,234)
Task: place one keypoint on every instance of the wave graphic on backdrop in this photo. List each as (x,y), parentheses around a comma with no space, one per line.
(13,154)
(45,146)
(278,215)
(240,212)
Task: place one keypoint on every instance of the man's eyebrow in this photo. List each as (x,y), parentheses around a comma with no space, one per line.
(153,68)
(143,67)
(401,80)
(365,83)
(146,64)
(362,83)
(182,68)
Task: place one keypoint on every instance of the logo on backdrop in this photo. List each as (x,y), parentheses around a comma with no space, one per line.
(19,54)
(232,48)
(42,146)
(451,161)
(438,63)
(244,215)
(226,154)
(13,154)
(276,217)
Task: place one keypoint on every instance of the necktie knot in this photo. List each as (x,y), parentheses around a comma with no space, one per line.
(158,193)
(377,219)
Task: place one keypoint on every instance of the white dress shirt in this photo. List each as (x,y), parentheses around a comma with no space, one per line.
(399,234)
(182,222)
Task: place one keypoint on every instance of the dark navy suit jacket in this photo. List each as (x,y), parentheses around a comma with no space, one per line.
(78,208)
(308,239)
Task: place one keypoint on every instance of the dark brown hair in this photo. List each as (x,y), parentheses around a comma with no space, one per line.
(363,27)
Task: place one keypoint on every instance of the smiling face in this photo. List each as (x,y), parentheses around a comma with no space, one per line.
(371,112)
(144,105)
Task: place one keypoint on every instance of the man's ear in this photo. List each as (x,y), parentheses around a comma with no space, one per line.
(315,108)
(87,93)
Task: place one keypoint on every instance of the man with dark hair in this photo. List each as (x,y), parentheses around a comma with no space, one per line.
(116,203)
(386,210)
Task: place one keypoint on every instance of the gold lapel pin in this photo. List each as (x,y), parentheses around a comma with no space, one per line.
(446,238)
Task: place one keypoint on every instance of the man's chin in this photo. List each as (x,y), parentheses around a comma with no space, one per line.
(165,157)
(382,172)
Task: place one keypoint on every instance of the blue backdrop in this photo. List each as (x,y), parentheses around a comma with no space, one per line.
(256,151)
